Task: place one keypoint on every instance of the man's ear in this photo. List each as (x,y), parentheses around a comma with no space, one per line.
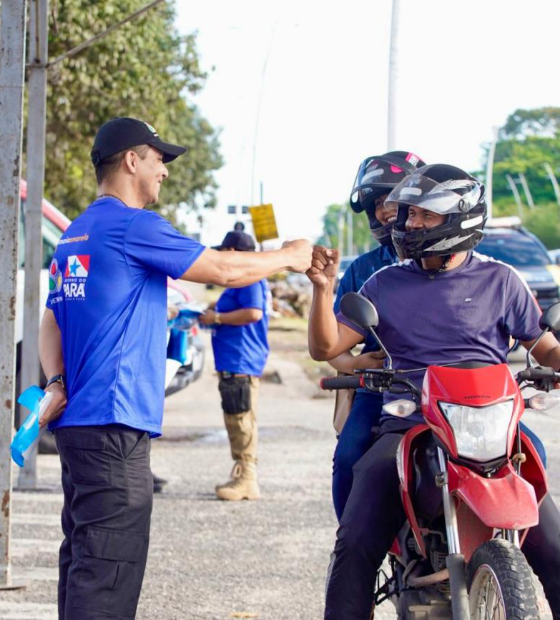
(130,162)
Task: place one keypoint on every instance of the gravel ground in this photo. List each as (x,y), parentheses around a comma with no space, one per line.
(212,560)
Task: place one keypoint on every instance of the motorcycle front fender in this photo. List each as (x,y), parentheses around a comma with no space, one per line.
(504,501)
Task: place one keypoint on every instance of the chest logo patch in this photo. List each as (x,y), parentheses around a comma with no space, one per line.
(75,276)
(77,266)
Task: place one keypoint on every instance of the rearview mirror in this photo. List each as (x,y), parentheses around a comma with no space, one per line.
(551,318)
(361,311)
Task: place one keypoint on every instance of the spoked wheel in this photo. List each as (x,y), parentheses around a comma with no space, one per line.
(500,584)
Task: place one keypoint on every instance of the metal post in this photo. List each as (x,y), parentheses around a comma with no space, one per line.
(349,233)
(553,180)
(516,196)
(341,232)
(392,90)
(36,122)
(490,172)
(525,187)
(12,62)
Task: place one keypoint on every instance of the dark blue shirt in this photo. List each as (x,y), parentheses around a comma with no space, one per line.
(108,292)
(357,274)
(466,314)
(243,349)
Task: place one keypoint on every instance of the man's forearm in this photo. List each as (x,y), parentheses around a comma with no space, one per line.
(343,363)
(323,326)
(50,346)
(243,316)
(244,268)
(237,269)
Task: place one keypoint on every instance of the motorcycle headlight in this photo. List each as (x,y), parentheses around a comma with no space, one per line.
(480,432)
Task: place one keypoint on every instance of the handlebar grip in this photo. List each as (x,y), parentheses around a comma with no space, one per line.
(537,373)
(342,383)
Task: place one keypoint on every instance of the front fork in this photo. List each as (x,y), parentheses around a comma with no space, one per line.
(455,560)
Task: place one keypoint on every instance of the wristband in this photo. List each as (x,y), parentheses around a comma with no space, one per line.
(57,379)
(217,318)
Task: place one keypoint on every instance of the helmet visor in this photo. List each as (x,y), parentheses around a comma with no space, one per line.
(451,196)
(376,172)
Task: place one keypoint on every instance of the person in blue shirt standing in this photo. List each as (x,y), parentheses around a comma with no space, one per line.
(376,177)
(240,345)
(102,345)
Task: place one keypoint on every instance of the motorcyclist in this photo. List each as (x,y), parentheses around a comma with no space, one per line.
(444,303)
(376,177)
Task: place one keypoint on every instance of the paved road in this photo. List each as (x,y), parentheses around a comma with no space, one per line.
(211,560)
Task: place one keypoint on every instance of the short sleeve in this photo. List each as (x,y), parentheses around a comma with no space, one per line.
(152,242)
(522,313)
(251,296)
(368,291)
(346,285)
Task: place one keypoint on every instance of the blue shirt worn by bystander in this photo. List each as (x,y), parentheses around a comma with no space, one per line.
(108,292)
(466,314)
(243,349)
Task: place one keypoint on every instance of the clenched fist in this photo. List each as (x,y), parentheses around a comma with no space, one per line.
(324,266)
(300,251)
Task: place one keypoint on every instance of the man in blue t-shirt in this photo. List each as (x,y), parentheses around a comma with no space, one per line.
(102,346)
(240,344)
(443,304)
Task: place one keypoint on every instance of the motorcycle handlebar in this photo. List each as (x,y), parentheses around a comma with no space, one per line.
(376,381)
(342,383)
(531,374)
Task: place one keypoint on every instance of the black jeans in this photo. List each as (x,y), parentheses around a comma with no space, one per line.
(108,489)
(374,515)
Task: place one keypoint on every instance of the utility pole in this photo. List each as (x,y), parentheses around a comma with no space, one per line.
(553,180)
(36,124)
(341,232)
(392,90)
(527,191)
(490,172)
(12,64)
(516,196)
(349,233)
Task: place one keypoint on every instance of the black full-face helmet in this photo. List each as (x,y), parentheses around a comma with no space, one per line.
(445,190)
(377,176)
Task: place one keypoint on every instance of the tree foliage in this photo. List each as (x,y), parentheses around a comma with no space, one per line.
(335,222)
(144,69)
(529,140)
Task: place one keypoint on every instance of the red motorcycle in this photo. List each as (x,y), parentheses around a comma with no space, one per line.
(471,483)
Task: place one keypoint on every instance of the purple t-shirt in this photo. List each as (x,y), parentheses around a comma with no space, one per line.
(466,314)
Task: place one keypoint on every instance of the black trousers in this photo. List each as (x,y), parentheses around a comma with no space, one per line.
(374,515)
(108,489)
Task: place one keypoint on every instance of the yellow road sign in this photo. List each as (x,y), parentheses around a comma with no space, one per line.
(264,222)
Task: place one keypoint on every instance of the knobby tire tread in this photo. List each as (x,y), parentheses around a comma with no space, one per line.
(514,575)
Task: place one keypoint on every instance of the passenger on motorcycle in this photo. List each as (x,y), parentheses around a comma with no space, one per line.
(443,303)
(376,177)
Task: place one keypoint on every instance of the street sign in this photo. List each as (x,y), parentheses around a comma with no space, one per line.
(264,222)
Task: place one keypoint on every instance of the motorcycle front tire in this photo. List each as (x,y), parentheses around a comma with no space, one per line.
(500,583)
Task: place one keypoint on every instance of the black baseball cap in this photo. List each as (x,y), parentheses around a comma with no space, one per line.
(122,133)
(237,240)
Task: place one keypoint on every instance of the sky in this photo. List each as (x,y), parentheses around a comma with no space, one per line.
(299,90)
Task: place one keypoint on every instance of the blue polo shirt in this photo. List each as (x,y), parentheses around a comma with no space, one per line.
(466,314)
(243,349)
(108,292)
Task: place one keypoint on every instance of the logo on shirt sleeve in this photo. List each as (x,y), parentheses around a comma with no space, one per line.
(75,276)
(55,277)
